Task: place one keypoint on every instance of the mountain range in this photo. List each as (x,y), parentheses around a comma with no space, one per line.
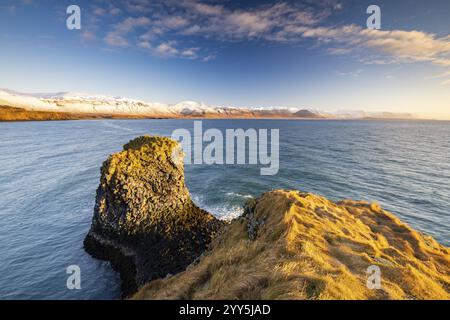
(88,105)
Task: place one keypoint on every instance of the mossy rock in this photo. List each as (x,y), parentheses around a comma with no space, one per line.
(143,206)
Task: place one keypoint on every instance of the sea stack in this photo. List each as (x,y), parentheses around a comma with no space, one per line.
(145,222)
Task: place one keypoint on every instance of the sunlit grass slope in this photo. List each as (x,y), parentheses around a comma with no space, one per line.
(295,245)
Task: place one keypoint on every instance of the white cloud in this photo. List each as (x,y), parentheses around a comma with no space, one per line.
(406,46)
(190,53)
(166,49)
(239,24)
(170,49)
(339,51)
(354,74)
(175,22)
(116,40)
(130,24)
(377,46)
(109,10)
(145,45)
(288,23)
(117,37)
(209,57)
(203,8)
(338,6)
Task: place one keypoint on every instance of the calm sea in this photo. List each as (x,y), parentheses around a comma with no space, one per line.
(50,171)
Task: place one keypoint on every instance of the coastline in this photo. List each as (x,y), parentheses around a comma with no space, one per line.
(15,114)
(288,244)
(73,164)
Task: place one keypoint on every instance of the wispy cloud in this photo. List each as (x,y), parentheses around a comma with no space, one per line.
(117,37)
(354,74)
(444,77)
(244,24)
(378,46)
(180,21)
(157,26)
(109,10)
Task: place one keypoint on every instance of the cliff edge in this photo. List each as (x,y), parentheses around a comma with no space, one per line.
(295,245)
(145,222)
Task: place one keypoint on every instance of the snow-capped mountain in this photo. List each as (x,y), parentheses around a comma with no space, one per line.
(23,100)
(76,102)
(88,103)
(103,105)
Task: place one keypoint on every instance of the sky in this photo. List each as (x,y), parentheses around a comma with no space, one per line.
(304,54)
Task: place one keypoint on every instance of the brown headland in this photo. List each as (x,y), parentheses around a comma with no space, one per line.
(297,245)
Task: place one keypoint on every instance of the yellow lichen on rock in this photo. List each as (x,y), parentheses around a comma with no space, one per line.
(295,245)
(155,146)
(144,220)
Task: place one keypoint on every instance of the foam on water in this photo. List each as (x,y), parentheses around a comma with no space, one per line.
(225,211)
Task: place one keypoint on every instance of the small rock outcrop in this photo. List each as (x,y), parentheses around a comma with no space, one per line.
(145,222)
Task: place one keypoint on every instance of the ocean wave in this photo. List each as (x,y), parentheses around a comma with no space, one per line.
(235,194)
(224,211)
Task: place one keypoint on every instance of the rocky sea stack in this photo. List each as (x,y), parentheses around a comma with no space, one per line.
(145,222)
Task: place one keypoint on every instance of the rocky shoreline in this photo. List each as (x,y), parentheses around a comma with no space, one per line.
(286,245)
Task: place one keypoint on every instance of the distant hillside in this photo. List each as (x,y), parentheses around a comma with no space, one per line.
(304,113)
(360,114)
(75,105)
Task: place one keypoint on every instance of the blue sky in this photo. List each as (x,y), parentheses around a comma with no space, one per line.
(312,54)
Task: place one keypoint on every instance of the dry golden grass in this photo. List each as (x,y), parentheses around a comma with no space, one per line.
(18,114)
(311,248)
(8,113)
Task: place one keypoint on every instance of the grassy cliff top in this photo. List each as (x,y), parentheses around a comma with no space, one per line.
(294,245)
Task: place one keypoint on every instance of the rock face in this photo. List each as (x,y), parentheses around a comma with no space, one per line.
(296,245)
(145,222)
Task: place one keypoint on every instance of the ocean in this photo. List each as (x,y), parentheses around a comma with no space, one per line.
(50,172)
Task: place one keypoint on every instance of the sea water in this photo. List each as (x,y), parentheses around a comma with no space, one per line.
(49,172)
